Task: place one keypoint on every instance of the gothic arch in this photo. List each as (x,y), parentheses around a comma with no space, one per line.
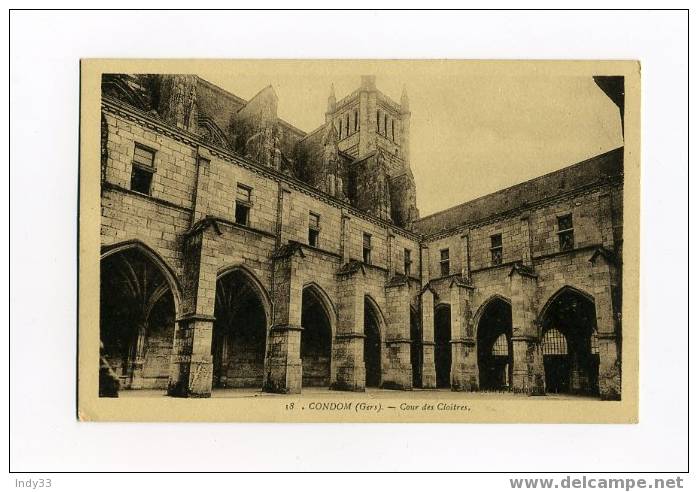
(116,87)
(254,282)
(562,290)
(326,302)
(152,255)
(380,318)
(483,307)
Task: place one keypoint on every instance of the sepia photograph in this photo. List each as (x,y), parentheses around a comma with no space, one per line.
(349,242)
(247,251)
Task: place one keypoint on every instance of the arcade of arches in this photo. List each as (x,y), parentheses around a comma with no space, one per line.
(138,313)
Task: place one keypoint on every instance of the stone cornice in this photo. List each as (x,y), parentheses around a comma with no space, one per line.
(515,212)
(125,111)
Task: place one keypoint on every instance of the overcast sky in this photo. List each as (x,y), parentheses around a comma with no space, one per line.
(472,131)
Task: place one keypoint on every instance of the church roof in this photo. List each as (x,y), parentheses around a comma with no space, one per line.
(580,175)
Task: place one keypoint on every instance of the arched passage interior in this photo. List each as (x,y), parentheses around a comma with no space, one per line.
(569,344)
(316,339)
(372,345)
(442,345)
(494,348)
(239,332)
(137,318)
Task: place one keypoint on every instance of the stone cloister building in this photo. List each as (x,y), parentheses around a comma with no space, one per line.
(241,252)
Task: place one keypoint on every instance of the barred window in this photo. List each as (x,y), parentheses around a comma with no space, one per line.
(594,343)
(313,229)
(445,263)
(554,343)
(496,250)
(565,232)
(408,262)
(367,249)
(500,346)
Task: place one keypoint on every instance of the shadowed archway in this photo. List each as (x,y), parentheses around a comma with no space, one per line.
(569,343)
(238,344)
(372,343)
(442,345)
(494,347)
(316,337)
(138,306)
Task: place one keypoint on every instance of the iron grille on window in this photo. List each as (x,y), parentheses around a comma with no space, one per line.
(594,343)
(500,346)
(313,229)
(243,204)
(496,249)
(445,263)
(554,343)
(367,249)
(565,232)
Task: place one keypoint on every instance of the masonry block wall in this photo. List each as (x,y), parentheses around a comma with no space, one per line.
(187,224)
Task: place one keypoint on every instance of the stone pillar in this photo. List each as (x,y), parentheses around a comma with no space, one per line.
(428,361)
(348,347)
(526,255)
(464,370)
(345,245)
(283,371)
(201,192)
(465,268)
(527,372)
(191,362)
(607,325)
(398,368)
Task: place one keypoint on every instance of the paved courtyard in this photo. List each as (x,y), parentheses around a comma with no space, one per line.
(417,394)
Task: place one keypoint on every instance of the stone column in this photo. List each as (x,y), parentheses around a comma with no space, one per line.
(283,372)
(464,370)
(345,245)
(398,369)
(527,372)
(200,200)
(191,362)
(428,361)
(607,325)
(348,347)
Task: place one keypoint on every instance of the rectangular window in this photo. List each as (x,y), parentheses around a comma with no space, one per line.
(367,249)
(496,249)
(565,232)
(356,121)
(378,121)
(408,262)
(445,263)
(392,128)
(313,229)
(142,169)
(243,204)
(347,124)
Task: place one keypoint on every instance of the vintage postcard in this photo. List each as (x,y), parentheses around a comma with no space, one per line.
(359,241)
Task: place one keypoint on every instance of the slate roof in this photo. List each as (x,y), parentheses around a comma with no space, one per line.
(591,171)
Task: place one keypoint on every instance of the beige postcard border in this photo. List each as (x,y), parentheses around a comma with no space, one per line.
(295,408)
